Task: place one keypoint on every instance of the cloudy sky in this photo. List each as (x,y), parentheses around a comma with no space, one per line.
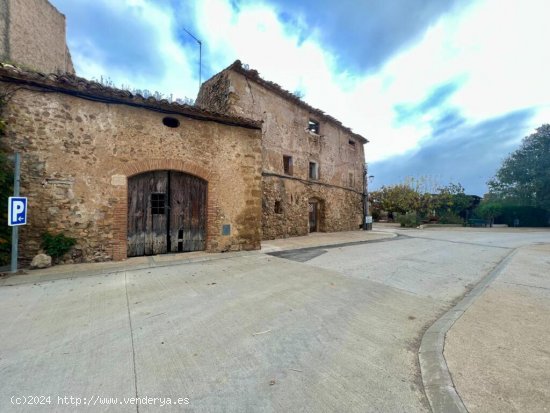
(443,89)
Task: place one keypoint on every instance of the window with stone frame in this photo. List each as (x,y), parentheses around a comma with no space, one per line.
(313,126)
(313,170)
(287,164)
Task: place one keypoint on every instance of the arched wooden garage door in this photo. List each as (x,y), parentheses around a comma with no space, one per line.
(166,213)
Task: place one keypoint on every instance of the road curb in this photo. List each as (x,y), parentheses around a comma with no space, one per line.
(436,378)
(36,277)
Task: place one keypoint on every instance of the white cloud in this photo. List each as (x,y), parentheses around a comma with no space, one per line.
(496,48)
(503,48)
(179,76)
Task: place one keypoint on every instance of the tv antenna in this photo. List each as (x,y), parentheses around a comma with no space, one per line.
(200,54)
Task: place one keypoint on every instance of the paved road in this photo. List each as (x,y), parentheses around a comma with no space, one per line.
(337,332)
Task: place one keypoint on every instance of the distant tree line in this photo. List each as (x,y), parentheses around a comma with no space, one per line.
(416,201)
(519,194)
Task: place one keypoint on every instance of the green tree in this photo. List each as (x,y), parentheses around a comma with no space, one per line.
(452,199)
(423,197)
(524,176)
(6,186)
(399,198)
(489,210)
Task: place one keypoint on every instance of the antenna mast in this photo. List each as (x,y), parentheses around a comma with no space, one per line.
(200,54)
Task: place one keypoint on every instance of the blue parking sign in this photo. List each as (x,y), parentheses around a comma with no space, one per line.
(17,211)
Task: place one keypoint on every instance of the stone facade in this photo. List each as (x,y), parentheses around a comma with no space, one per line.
(337,185)
(80,142)
(32,34)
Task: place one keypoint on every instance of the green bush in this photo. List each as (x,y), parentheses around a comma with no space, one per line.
(450,218)
(409,220)
(6,190)
(528,216)
(57,245)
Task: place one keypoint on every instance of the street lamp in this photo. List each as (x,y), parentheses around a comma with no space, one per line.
(367,223)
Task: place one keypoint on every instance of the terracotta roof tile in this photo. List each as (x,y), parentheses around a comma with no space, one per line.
(87,89)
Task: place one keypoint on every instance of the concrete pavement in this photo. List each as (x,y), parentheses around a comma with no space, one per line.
(319,239)
(243,334)
(498,352)
(136,263)
(336,330)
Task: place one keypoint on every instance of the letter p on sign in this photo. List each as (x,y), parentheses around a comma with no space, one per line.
(17,211)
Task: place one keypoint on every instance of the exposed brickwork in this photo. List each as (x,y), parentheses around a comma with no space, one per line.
(32,34)
(340,182)
(77,156)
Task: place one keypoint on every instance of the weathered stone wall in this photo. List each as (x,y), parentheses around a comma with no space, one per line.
(77,155)
(4,27)
(339,209)
(32,34)
(214,94)
(284,132)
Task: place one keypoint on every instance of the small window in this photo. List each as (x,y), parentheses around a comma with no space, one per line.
(287,164)
(170,122)
(157,204)
(350,178)
(313,170)
(313,126)
(278,207)
(351,144)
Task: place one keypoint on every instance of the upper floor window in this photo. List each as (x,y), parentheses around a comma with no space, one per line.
(351,180)
(351,143)
(313,170)
(287,164)
(313,126)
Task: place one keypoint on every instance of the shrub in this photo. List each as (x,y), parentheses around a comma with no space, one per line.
(57,245)
(450,218)
(528,216)
(6,190)
(409,220)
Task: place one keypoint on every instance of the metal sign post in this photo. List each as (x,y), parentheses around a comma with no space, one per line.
(15,228)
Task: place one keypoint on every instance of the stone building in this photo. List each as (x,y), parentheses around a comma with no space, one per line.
(312,166)
(126,175)
(32,34)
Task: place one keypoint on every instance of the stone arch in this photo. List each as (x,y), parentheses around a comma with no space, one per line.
(119,180)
